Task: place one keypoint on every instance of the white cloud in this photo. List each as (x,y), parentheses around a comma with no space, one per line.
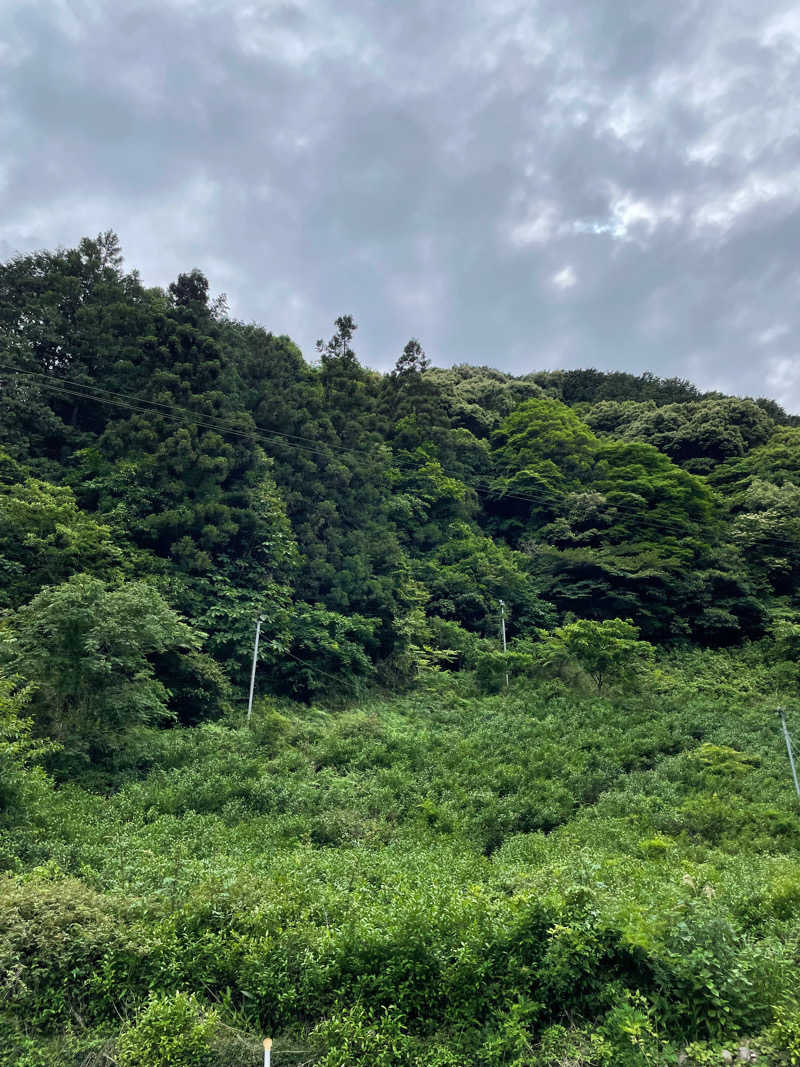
(723,211)
(304,152)
(537,229)
(783,27)
(632,217)
(772,334)
(566,278)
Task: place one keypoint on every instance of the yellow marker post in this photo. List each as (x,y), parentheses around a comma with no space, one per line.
(267,1050)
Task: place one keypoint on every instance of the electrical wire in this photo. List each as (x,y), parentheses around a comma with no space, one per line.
(126,399)
(186,417)
(311,667)
(135,403)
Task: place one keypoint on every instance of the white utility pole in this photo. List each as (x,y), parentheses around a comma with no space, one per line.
(253,672)
(789,750)
(503,631)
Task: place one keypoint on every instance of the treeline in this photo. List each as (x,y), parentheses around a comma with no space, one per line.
(168,474)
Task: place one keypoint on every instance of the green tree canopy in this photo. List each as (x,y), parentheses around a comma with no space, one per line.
(88,649)
(608,651)
(542,451)
(469,574)
(698,435)
(45,538)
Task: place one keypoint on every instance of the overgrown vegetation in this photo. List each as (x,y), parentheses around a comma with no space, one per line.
(548,875)
(422,850)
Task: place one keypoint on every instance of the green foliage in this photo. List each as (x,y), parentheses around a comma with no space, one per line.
(607,651)
(87,649)
(170,1031)
(783,1036)
(45,538)
(54,937)
(469,574)
(65,314)
(477,399)
(630,534)
(326,652)
(696,435)
(544,451)
(433,879)
(592,865)
(588,386)
(777,461)
(240,478)
(427,502)
(767,530)
(493,667)
(22,782)
(355,1037)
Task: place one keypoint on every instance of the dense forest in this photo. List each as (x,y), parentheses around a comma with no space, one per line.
(421,848)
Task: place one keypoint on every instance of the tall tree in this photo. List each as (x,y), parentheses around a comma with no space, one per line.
(88,650)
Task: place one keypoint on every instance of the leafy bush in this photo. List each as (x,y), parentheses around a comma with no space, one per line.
(357,1036)
(530,879)
(56,940)
(783,1036)
(607,651)
(22,782)
(87,647)
(170,1031)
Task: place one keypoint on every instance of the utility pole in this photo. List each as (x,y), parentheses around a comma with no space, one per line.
(788,741)
(253,672)
(503,631)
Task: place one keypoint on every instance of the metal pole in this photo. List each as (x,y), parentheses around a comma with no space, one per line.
(789,750)
(253,672)
(503,631)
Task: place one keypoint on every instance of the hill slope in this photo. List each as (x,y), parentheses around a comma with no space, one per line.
(425,849)
(531,878)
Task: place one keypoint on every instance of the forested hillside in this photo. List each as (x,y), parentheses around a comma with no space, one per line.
(148,438)
(423,850)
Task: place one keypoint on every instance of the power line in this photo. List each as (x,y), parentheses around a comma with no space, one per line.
(165,408)
(143,406)
(186,417)
(135,403)
(146,407)
(312,668)
(211,422)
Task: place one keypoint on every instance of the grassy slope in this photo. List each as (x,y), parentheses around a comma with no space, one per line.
(525,878)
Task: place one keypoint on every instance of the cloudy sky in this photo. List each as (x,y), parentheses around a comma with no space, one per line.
(544,183)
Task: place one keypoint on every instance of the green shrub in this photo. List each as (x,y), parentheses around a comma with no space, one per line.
(171,1031)
(492,667)
(269,728)
(784,1035)
(56,941)
(356,1037)
(705,975)
(254,870)
(573,1047)
(75,1046)
(632,1033)
(22,782)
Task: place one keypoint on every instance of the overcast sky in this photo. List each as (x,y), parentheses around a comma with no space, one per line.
(535,184)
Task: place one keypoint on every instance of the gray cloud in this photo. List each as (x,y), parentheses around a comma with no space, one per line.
(522,184)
